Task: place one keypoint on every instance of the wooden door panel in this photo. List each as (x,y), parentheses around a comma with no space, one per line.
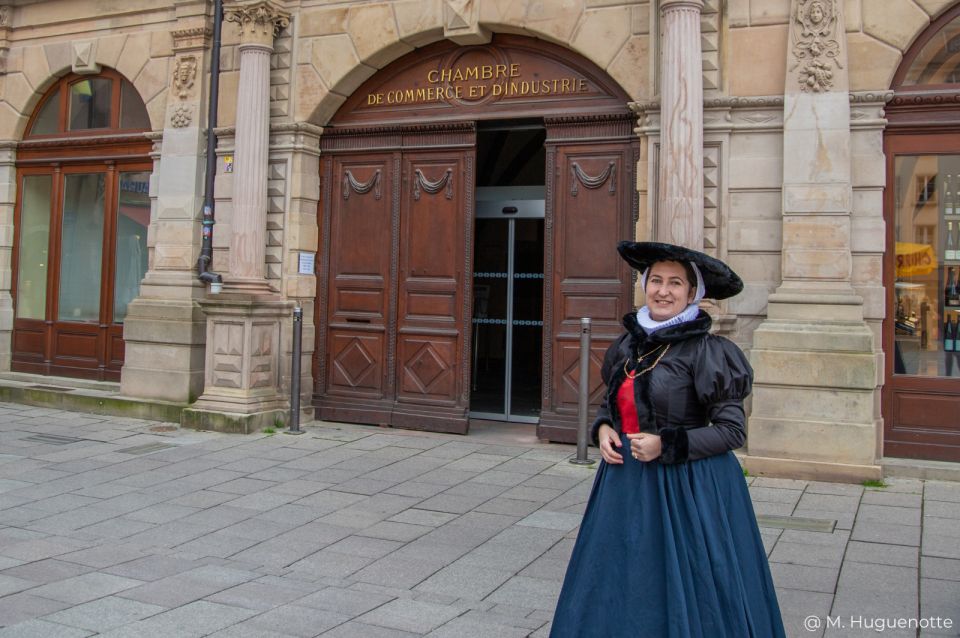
(429,371)
(593,204)
(360,241)
(357,367)
(435,213)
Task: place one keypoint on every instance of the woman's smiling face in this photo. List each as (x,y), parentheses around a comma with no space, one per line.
(668,290)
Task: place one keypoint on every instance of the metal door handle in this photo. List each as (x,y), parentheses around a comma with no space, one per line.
(509,210)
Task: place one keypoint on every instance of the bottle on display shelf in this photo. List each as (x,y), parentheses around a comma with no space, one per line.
(949,337)
(948,199)
(950,252)
(948,285)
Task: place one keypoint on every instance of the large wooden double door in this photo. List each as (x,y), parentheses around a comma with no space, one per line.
(395,303)
(392,311)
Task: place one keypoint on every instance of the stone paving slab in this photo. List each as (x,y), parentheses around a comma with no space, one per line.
(353,531)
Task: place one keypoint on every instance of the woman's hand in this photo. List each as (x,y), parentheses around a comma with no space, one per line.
(609,439)
(644,446)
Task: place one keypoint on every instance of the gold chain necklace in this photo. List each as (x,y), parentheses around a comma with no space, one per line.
(637,373)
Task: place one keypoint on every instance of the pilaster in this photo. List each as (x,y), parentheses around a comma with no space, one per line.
(164,331)
(8,194)
(813,356)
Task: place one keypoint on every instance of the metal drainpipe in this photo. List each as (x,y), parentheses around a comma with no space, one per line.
(206,248)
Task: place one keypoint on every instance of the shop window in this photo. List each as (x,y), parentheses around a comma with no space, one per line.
(81,226)
(927,265)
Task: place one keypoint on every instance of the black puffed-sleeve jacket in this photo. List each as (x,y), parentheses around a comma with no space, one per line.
(693,398)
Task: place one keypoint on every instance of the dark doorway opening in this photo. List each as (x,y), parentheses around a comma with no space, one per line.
(508,277)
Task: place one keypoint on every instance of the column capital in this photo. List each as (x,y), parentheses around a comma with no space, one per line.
(668,5)
(259,21)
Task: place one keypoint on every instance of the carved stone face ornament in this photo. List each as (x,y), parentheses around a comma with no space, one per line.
(184,76)
(815,41)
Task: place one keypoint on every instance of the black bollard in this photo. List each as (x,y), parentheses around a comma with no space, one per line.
(584,388)
(295,372)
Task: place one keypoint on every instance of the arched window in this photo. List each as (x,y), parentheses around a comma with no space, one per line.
(82,214)
(922,267)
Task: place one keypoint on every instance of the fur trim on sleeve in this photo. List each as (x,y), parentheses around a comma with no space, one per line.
(674,445)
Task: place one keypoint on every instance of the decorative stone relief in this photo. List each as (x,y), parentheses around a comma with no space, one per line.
(184,76)
(710,30)
(5,16)
(83,58)
(182,116)
(816,37)
(259,21)
(191,38)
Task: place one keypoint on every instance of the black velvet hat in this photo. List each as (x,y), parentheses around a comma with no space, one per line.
(718,279)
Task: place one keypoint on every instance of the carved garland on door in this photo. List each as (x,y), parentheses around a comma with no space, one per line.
(420,181)
(361,188)
(590,181)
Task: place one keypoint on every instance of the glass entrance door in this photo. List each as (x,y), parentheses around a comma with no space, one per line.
(507,341)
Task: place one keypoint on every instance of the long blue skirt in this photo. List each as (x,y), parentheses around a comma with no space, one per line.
(669,551)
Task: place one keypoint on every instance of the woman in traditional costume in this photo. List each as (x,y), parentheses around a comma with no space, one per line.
(669,545)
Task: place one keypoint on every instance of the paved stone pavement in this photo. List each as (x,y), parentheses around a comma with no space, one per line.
(120,527)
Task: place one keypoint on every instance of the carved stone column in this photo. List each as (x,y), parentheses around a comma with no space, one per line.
(680,181)
(816,368)
(259,22)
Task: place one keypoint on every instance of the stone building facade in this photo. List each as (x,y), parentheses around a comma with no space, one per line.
(757,130)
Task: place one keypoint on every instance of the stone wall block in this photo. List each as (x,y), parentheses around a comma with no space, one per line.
(869,234)
(109,50)
(755,172)
(59,56)
(556,21)
(769,12)
(868,203)
(753,205)
(317,21)
(868,269)
(601,33)
(153,79)
(754,235)
(757,75)
(227,100)
(817,263)
(419,22)
(816,231)
(161,44)
(838,370)
(895,22)
(631,68)
(506,17)
(20,94)
(338,64)
(373,30)
(36,70)
(853,22)
(738,13)
(872,63)
(820,440)
(640,19)
(819,404)
(157,110)
(753,299)
(136,54)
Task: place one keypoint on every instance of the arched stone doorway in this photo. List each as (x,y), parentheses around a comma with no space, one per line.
(423,167)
